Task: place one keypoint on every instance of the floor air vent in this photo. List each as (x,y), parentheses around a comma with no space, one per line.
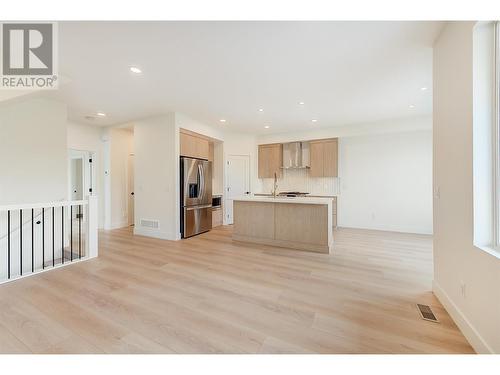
(426,313)
(155,224)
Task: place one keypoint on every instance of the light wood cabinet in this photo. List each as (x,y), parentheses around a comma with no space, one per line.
(324,158)
(211,151)
(270,160)
(187,145)
(202,148)
(317,159)
(193,146)
(330,162)
(299,226)
(216,217)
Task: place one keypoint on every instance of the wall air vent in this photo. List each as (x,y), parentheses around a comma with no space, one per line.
(154,224)
(426,313)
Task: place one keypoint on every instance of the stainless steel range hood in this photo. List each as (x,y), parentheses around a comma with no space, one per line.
(296,155)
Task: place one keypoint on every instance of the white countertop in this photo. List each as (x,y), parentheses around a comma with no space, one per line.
(271,199)
(306,196)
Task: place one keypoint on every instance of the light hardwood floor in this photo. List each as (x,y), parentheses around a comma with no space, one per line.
(209,294)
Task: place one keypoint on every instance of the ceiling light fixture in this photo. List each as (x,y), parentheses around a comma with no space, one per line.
(101,114)
(266,127)
(314,120)
(135,69)
(411,106)
(301,103)
(222,120)
(261,110)
(423,88)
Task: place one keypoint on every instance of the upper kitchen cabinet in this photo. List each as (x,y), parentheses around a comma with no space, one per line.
(270,160)
(211,151)
(324,158)
(194,146)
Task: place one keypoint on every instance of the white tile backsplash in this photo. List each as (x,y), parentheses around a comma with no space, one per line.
(299,180)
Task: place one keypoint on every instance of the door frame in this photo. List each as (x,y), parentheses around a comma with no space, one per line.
(226,181)
(88,171)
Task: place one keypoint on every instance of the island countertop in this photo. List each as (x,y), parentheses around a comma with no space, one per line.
(271,199)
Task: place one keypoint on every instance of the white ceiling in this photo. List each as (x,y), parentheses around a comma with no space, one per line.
(345,72)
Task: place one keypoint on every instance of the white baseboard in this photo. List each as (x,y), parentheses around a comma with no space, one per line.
(155,233)
(121,224)
(387,228)
(470,333)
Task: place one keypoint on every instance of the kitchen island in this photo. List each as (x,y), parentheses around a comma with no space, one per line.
(297,223)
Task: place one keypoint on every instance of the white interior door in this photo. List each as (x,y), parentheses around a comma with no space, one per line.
(238,182)
(76,179)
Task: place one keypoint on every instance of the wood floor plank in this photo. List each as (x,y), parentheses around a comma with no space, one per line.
(209,294)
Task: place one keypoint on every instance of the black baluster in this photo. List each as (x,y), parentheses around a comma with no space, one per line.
(21,241)
(71,231)
(8,244)
(32,240)
(53,238)
(43,237)
(80,232)
(62,234)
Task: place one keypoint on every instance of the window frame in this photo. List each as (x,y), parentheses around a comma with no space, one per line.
(496,139)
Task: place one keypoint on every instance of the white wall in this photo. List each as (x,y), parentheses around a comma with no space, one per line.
(156,149)
(33,152)
(185,122)
(89,138)
(458,264)
(386,182)
(118,145)
(33,168)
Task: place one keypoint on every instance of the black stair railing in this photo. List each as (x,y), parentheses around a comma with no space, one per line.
(38,249)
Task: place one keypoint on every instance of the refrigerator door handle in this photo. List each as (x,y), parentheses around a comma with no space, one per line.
(198,207)
(201,181)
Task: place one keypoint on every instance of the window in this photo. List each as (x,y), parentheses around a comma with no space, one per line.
(496,133)
(486,137)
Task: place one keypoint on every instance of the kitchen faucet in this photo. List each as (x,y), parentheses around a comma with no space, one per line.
(275,185)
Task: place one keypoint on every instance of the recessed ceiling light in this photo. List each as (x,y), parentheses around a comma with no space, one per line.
(261,110)
(266,127)
(411,106)
(135,69)
(301,103)
(423,88)
(314,120)
(101,114)
(222,120)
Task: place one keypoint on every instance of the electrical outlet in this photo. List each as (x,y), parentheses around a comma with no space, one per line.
(437,192)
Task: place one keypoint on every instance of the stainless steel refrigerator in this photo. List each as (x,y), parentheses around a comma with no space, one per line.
(196,196)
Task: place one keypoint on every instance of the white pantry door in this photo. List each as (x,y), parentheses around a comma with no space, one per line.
(238,181)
